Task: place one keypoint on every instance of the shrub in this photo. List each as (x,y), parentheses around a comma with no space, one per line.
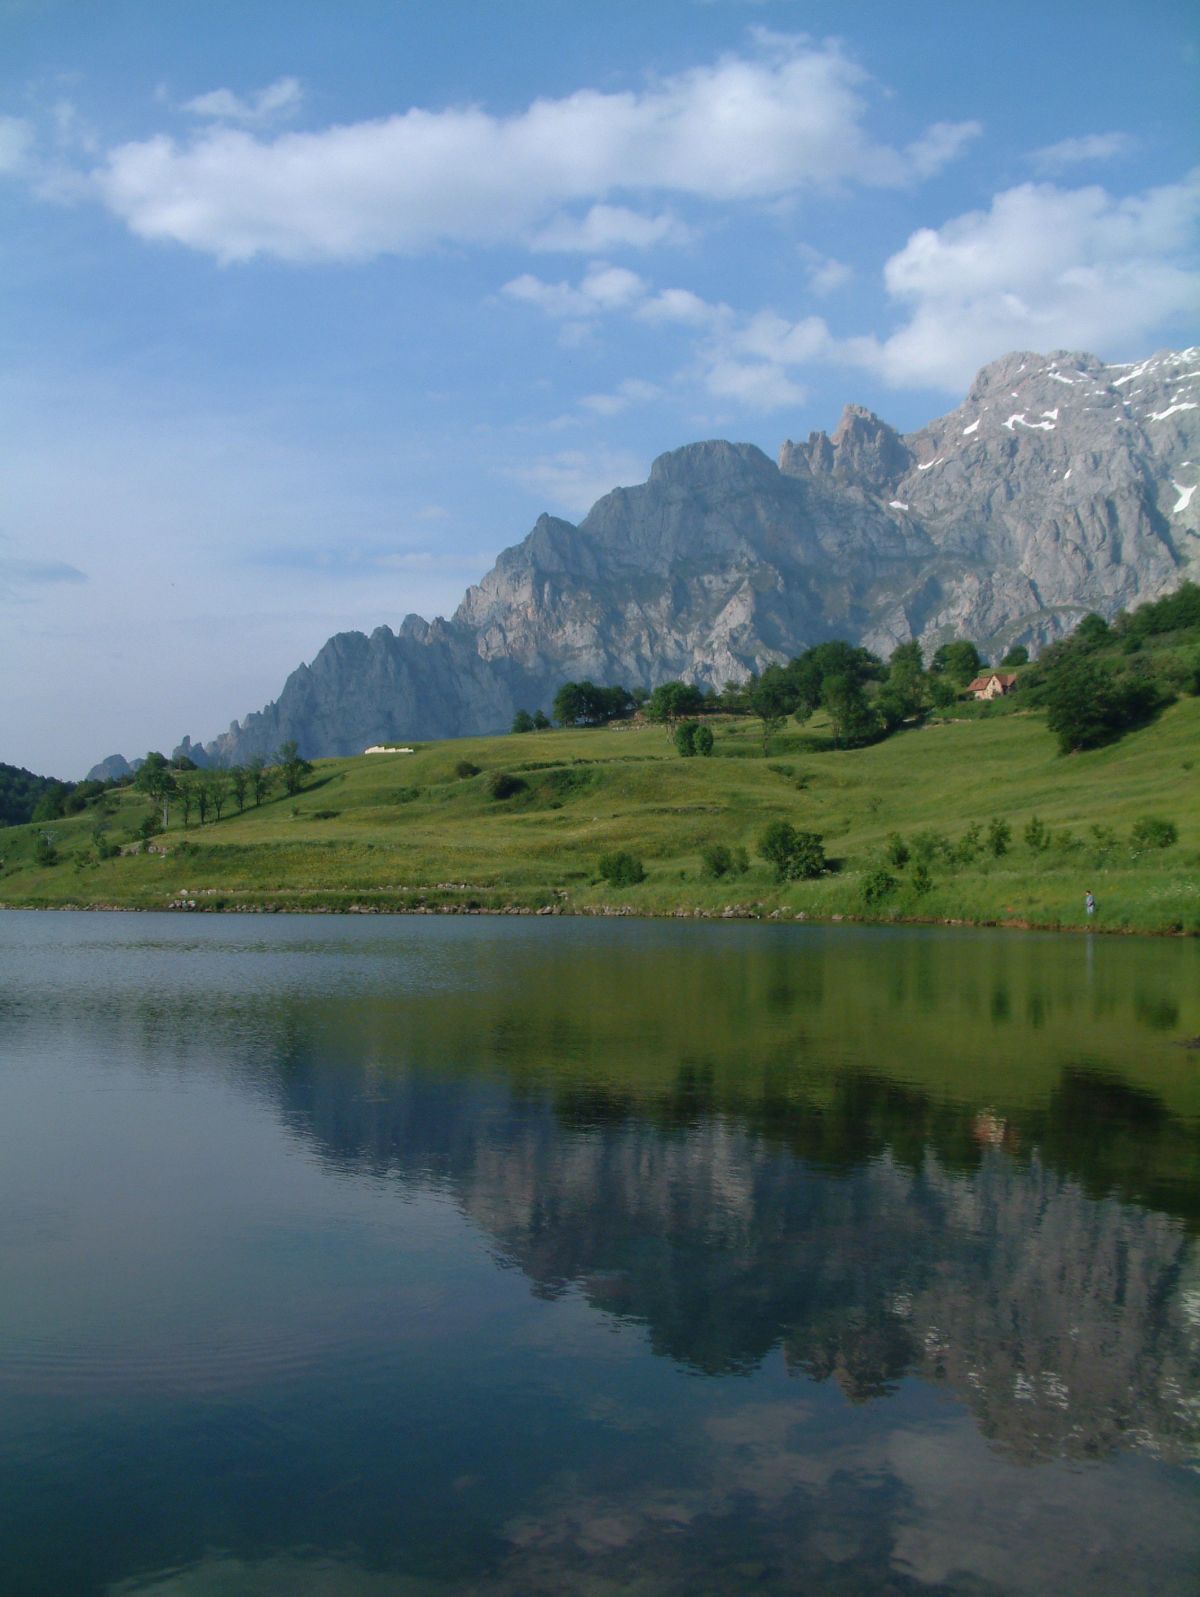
(967,848)
(44,851)
(464,768)
(502,784)
(1104,843)
(795,855)
(895,851)
(522,722)
(999,836)
(921,880)
(622,869)
(878,885)
(930,845)
(703,742)
(716,860)
(1153,832)
(1037,835)
(685,738)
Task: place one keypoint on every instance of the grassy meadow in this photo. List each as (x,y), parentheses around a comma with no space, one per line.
(406,832)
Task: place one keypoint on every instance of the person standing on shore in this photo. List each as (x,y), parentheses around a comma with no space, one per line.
(1089,904)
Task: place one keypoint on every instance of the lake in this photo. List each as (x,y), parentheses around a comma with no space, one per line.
(423,1257)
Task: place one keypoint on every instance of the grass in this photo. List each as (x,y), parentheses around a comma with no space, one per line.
(405,832)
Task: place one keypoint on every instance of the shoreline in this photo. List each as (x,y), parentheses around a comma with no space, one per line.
(779,916)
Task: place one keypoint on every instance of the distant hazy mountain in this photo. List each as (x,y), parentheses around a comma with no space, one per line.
(1061,485)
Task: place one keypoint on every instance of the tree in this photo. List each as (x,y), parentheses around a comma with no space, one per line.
(239,781)
(773,697)
(586,704)
(904,692)
(1017,655)
(292,767)
(522,722)
(852,718)
(671,701)
(541,721)
(960,661)
(703,741)
(187,797)
(157,781)
(218,790)
(260,776)
(999,835)
(1086,705)
(793,854)
(1092,631)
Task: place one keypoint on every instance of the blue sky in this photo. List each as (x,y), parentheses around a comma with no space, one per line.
(307,310)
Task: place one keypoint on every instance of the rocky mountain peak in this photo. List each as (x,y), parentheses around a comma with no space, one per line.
(1060,485)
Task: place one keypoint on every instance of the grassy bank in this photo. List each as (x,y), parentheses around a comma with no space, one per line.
(406,832)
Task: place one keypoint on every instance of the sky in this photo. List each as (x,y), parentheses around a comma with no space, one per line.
(308,310)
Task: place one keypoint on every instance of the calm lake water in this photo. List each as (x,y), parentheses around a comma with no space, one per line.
(424,1258)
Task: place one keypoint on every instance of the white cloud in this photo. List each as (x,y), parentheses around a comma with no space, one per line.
(681,305)
(785,117)
(573,479)
(825,274)
(1091,147)
(633,391)
(758,385)
(278,99)
(604,288)
(16,142)
(607,227)
(1044,268)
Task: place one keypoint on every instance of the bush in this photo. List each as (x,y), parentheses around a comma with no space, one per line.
(999,836)
(685,738)
(622,869)
(44,851)
(966,851)
(878,885)
(930,845)
(464,768)
(502,785)
(921,880)
(716,860)
(1153,832)
(703,741)
(1037,835)
(895,851)
(795,855)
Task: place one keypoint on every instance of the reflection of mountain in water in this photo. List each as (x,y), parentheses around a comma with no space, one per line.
(1063,1319)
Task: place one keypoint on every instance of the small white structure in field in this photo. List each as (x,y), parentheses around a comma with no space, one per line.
(385,748)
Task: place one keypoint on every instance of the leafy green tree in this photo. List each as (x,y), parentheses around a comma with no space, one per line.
(943,692)
(921,880)
(522,722)
(586,704)
(852,718)
(1092,631)
(703,741)
(1017,655)
(218,790)
(541,721)
(671,701)
(965,851)
(187,797)
(772,697)
(1086,705)
(960,661)
(157,781)
(793,854)
(261,776)
(292,766)
(239,782)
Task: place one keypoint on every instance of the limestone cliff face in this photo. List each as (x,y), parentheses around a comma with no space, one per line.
(1061,485)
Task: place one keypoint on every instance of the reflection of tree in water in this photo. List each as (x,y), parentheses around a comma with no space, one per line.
(872,1237)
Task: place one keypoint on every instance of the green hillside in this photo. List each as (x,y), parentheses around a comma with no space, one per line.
(406,831)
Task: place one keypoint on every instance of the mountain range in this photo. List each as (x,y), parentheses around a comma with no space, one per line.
(1061,485)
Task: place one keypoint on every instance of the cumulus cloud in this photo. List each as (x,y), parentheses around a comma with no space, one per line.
(1073,152)
(784,117)
(603,288)
(1043,268)
(633,391)
(278,99)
